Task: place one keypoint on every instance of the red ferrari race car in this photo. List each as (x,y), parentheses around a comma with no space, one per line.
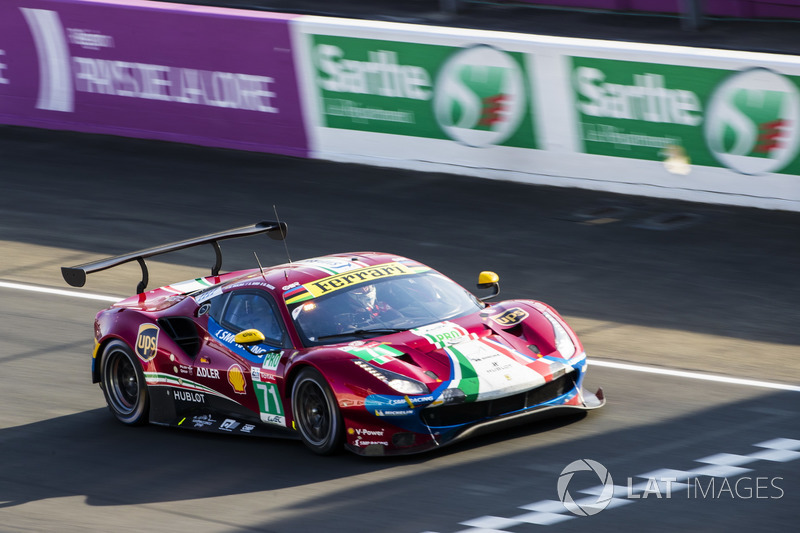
(373,352)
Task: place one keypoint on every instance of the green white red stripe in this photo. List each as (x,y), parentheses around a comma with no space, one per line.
(188,286)
(159,378)
(482,372)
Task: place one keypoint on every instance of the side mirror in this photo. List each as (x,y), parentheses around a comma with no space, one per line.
(489,280)
(249,337)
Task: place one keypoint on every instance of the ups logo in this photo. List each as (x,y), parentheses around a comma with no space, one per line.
(510,317)
(147,342)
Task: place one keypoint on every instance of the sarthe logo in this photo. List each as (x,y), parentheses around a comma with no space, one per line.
(479,97)
(584,507)
(752,122)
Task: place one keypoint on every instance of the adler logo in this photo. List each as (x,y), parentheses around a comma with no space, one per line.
(752,122)
(203,372)
(147,342)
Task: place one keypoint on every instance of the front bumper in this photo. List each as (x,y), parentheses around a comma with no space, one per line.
(397,443)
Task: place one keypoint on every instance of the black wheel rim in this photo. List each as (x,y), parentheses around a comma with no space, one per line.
(122,383)
(313,412)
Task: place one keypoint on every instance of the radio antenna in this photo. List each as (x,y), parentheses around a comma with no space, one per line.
(283,233)
(261,268)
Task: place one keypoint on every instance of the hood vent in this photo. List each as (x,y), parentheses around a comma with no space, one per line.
(404,357)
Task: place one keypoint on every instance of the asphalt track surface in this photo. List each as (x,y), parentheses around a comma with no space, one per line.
(667,285)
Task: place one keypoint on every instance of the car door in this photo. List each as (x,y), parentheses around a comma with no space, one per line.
(251,373)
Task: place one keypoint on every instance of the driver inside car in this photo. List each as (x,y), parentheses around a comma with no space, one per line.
(367,308)
(365,298)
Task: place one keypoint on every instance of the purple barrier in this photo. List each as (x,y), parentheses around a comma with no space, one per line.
(199,75)
(787,9)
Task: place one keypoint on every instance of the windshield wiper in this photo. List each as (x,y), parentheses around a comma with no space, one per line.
(361,332)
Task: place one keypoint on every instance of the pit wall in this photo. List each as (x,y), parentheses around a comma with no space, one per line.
(692,124)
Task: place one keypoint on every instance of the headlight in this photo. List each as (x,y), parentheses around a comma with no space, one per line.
(407,386)
(453,396)
(401,384)
(564,343)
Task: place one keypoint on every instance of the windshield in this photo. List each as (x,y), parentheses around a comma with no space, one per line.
(381,307)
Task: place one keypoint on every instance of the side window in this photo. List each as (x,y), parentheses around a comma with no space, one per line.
(251,310)
(216,305)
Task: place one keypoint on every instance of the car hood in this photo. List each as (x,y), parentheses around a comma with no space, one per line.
(478,357)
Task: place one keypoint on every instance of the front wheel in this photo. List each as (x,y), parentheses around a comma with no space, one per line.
(123,384)
(316,413)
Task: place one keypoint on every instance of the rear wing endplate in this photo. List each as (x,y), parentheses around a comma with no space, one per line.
(76,275)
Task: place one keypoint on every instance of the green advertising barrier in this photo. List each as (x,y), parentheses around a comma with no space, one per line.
(694,124)
(744,120)
(478,95)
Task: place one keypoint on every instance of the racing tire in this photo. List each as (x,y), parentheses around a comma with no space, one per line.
(123,384)
(316,413)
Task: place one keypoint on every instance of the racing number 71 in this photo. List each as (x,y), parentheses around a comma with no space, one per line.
(269,402)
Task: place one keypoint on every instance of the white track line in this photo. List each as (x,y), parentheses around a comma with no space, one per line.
(60,292)
(694,375)
(592,362)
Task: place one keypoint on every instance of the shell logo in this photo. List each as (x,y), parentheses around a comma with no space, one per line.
(236,378)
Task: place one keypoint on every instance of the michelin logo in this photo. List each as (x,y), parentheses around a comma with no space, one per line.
(130,79)
(382,412)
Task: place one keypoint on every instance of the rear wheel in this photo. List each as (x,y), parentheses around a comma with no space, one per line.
(123,384)
(316,413)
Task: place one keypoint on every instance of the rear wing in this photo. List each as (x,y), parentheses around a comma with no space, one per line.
(76,275)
